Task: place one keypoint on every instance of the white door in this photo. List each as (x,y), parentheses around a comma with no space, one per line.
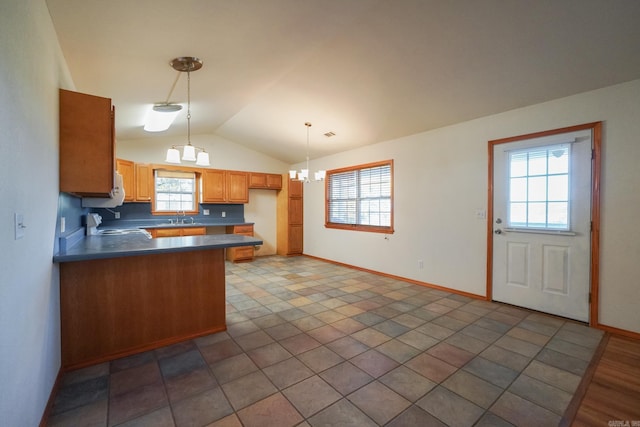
(542,223)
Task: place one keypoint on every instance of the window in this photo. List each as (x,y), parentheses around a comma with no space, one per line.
(539,188)
(175,191)
(361,197)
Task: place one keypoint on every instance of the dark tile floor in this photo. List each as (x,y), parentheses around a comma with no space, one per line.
(311,343)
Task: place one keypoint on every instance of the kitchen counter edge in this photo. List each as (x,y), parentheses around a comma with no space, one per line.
(102,247)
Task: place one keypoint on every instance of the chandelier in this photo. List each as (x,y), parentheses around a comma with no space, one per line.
(303,174)
(190,153)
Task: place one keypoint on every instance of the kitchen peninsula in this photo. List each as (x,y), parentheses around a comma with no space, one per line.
(125,294)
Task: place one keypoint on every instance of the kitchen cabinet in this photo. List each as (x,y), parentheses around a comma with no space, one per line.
(220,186)
(268,181)
(126,168)
(177,231)
(87,144)
(116,307)
(144,183)
(241,253)
(137,179)
(290,217)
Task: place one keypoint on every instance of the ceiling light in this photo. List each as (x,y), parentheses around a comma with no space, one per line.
(187,64)
(303,174)
(161,116)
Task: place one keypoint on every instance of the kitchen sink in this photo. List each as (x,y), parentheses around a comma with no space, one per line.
(124,231)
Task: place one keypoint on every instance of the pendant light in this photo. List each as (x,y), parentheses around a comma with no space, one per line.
(303,174)
(190,153)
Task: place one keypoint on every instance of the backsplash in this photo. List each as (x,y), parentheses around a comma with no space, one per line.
(131,213)
(70,208)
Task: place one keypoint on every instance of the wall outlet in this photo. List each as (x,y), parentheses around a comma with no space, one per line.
(116,215)
(63,224)
(205,212)
(420,264)
(481,214)
(224,214)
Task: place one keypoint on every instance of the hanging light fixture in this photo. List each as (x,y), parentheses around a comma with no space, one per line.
(303,174)
(189,152)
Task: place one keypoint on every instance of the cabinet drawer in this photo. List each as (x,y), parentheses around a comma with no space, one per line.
(242,253)
(194,231)
(167,232)
(243,229)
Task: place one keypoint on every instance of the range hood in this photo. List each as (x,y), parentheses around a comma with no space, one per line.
(116,199)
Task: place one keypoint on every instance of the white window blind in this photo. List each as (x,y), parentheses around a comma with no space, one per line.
(539,188)
(361,196)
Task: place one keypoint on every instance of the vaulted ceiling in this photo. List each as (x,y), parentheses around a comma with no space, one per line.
(366,70)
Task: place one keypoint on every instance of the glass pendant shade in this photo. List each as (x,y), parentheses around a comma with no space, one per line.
(189,153)
(320,175)
(173,156)
(292,174)
(203,159)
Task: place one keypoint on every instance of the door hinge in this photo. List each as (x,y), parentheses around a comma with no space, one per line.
(593,154)
(589,297)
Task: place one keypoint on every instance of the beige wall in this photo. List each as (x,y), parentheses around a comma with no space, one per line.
(31,71)
(441,180)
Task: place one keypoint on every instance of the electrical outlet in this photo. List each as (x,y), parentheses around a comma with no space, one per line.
(420,264)
(116,215)
(63,224)
(481,214)
(224,214)
(205,212)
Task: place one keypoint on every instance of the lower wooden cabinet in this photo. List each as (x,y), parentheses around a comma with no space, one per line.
(177,231)
(242,253)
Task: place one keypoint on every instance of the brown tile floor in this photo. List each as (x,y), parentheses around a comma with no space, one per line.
(311,343)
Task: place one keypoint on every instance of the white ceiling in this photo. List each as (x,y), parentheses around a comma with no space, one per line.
(367,70)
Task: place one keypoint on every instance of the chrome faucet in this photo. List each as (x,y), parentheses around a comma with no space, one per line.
(178,220)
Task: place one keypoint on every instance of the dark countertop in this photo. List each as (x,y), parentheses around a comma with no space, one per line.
(115,246)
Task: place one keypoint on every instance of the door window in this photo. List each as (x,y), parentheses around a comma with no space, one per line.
(538,196)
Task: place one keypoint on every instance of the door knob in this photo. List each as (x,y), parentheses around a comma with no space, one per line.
(498,231)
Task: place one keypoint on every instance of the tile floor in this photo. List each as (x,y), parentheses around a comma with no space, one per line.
(310,343)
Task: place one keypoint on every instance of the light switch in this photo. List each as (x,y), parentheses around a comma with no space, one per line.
(19,226)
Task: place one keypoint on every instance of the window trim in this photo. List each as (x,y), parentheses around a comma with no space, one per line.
(360,227)
(197,197)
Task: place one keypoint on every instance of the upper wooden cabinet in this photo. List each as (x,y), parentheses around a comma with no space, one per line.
(237,187)
(220,186)
(144,182)
(126,168)
(269,181)
(87,144)
(137,179)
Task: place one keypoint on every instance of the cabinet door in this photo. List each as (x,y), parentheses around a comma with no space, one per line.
(87,144)
(257,180)
(295,211)
(295,188)
(144,182)
(237,187)
(295,239)
(213,186)
(126,168)
(274,181)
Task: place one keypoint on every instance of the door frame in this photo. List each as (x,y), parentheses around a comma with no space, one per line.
(594,273)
